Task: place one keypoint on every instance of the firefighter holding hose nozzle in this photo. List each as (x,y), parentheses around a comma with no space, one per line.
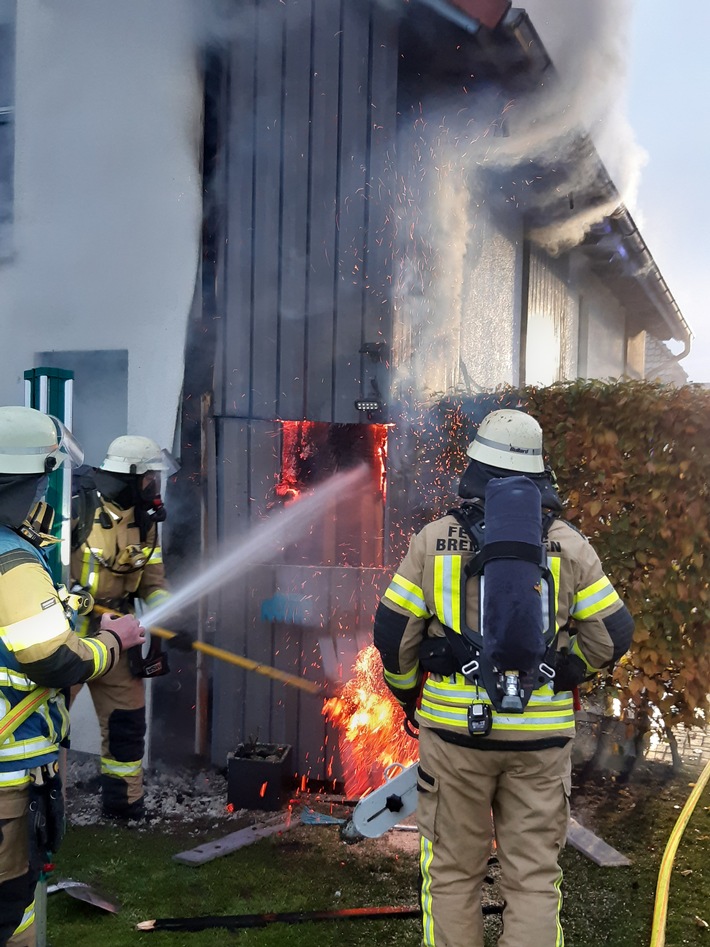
(116,559)
(40,657)
(505,608)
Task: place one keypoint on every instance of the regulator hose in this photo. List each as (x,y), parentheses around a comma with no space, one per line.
(660,910)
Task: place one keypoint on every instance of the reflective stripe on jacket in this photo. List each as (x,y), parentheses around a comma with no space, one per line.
(105,544)
(425,594)
(38,647)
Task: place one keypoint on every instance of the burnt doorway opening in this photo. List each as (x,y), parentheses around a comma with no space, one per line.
(352,533)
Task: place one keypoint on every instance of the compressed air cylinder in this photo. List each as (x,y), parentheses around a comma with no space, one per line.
(512,619)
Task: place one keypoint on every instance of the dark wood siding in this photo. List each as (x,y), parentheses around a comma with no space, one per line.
(312,121)
(311,105)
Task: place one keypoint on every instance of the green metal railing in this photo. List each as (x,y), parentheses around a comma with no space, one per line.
(51,390)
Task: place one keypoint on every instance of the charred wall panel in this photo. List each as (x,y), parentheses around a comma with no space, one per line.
(327,40)
(350,217)
(291,636)
(234,398)
(379,207)
(229,602)
(296,605)
(294,208)
(312,110)
(268,93)
(311,105)
(264,462)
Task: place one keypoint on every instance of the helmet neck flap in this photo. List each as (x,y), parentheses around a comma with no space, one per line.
(472,485)
(118,488)
(18,493)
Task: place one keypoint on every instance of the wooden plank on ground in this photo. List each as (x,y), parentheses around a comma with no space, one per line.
(236,840)
(593,847)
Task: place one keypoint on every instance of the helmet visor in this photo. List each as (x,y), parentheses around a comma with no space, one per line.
(164,463)
(169,465)
(68,447)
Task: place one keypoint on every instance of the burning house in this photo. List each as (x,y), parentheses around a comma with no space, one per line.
(306,220)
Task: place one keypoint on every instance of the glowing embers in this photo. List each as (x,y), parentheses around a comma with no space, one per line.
(353,527)
(369,724)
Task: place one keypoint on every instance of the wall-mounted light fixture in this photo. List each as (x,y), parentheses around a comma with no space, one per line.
(369,406)
(373,404)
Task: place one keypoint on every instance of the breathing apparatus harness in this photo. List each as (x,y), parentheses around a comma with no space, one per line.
(508,690)
(36,528)
(148,509)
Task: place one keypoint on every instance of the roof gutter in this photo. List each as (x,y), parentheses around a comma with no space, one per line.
(664,299)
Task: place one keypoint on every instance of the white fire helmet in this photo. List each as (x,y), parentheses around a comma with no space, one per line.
(32,442)
(132,454)
(510,440)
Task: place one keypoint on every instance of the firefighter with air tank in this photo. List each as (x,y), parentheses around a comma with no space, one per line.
(117,558)
(40,657)
(500,608)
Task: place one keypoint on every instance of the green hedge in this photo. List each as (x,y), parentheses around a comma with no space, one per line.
(633,465)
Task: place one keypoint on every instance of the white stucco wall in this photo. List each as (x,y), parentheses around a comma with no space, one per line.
(107,185)
(107,205)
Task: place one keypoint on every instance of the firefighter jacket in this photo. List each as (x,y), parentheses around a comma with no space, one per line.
(115,566)
(39,649)
(425,594)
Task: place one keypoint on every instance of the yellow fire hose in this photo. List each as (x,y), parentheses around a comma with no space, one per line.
(660,911)
(310,686)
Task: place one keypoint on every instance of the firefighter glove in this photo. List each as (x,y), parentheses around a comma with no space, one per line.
(181,641)
(410,712)
(570,672)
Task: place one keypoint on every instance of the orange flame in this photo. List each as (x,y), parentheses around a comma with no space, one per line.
(369,723)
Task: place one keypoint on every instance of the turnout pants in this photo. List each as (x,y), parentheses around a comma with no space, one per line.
(17,880)
(527,795)
(119,701)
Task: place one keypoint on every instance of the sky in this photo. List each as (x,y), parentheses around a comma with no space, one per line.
(637,75)
(668,95)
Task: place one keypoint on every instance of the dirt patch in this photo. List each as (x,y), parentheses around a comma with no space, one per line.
(173,798)
(196,799)
(596,793)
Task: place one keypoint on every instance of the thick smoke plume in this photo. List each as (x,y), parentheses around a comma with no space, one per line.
(588,44)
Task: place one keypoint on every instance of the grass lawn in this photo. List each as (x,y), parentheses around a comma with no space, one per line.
(309,868)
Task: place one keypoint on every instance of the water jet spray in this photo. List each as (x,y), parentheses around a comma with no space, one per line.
(256,548)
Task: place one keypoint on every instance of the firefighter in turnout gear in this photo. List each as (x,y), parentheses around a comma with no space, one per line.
(116,559)
(478,756)
(40,656)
